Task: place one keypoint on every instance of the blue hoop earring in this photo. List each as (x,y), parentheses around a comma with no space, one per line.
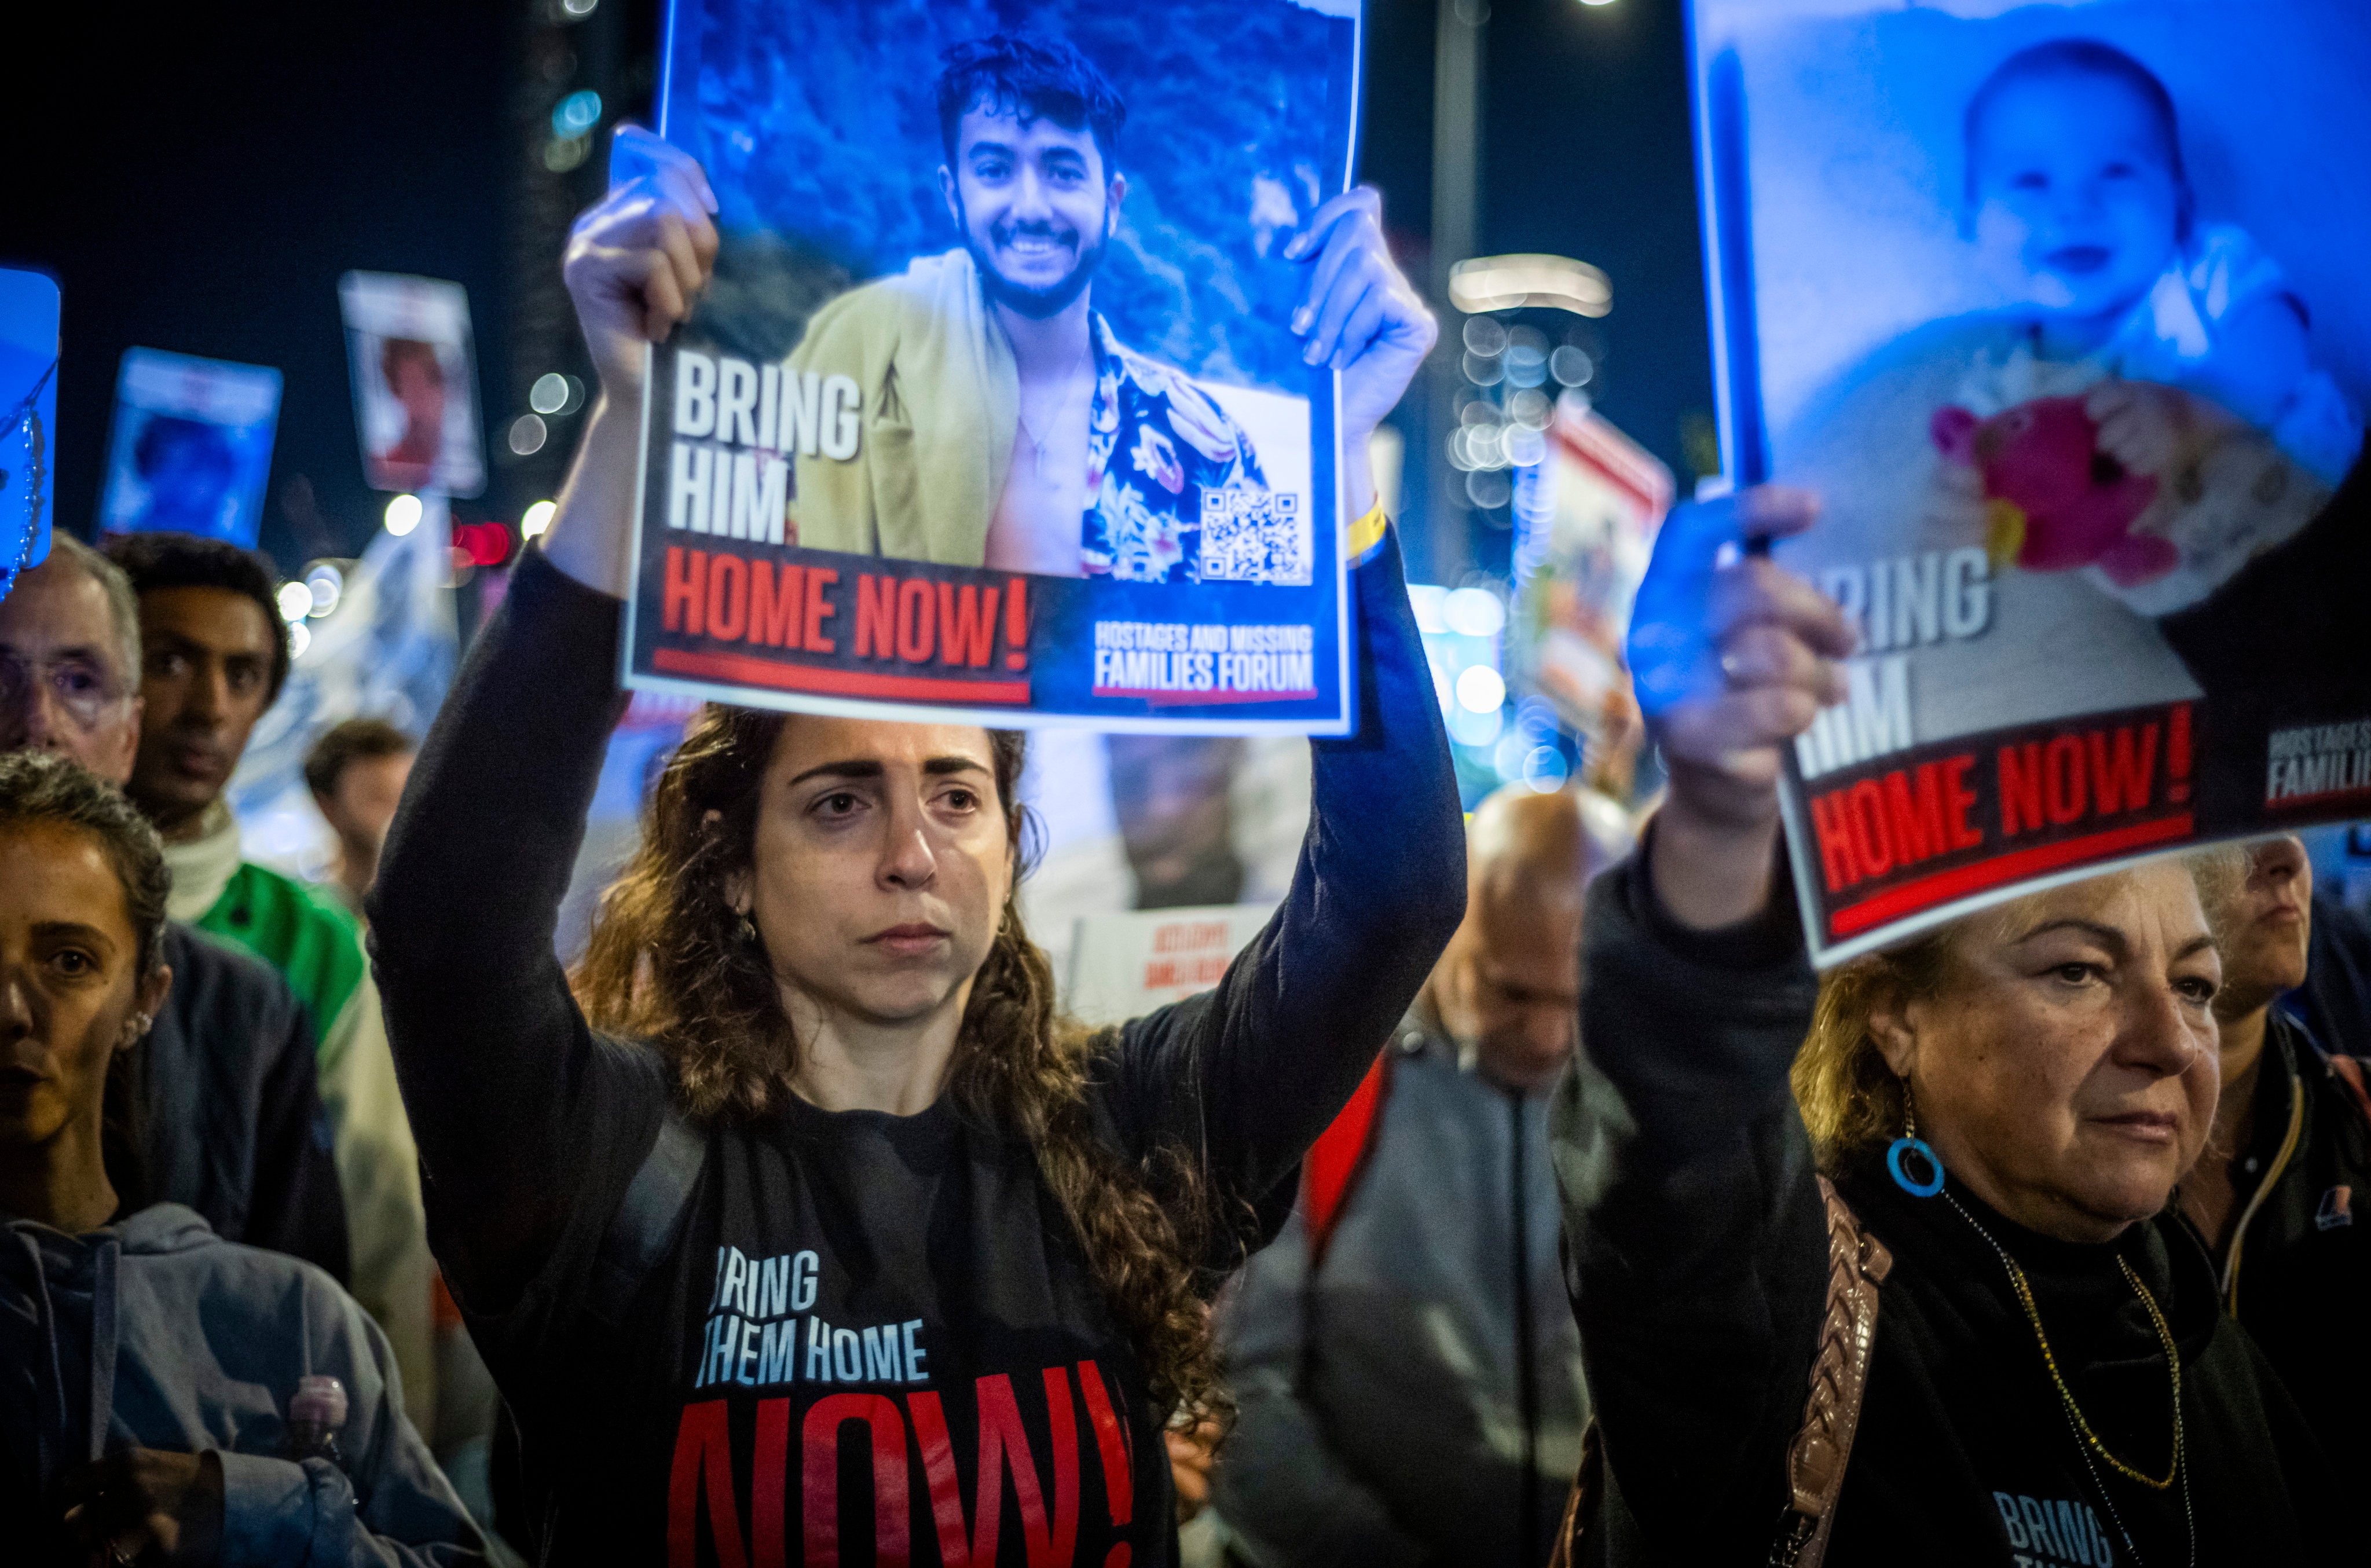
(1910,1143)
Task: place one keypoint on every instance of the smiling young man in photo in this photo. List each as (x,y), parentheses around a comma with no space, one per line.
(1002,423)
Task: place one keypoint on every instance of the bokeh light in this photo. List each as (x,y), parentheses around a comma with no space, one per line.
(576,113)
(1481,689)
(1476,612)
(327,585)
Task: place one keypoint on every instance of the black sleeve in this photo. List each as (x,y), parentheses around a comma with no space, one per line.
(1243,1078)
(296,1205)
(1695,1238)
(529,1125)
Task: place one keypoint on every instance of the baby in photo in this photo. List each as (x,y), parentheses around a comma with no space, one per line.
(2078,196)
(2175,334)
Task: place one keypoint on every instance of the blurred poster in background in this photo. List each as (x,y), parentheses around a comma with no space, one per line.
(2060,308)
(1122,967)
(1156,823)
(191,447)
(416,382)
(998,412)
(381,643)
(29,414)
(1588,513)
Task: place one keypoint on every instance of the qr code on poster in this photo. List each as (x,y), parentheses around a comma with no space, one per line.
(1250,534)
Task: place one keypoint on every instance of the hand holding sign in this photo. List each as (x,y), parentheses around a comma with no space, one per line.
(1733,656)
(639,256)
(1361,317)
(637,259)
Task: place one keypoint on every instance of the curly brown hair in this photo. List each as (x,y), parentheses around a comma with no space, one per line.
(668,963)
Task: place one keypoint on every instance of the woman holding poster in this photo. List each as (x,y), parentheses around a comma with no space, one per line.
(805,1219)
(1925,1201)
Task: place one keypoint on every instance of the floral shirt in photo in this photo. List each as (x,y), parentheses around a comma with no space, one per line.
(1177,495)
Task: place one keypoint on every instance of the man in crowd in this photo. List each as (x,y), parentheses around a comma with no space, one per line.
(230,1120)
(215,656)
(1001,422)
(356,771)
(1403,1356)
(2282,1194)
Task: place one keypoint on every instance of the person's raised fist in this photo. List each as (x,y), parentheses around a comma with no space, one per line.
(639,258)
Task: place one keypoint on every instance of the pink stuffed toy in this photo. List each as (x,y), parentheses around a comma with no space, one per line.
(2055,501)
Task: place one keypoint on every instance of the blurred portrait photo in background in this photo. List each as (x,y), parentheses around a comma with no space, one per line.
(415,388)
(191,447)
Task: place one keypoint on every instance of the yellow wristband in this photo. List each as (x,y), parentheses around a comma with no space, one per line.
(1367,535)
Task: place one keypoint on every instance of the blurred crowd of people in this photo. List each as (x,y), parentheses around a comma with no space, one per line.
(1520,1194)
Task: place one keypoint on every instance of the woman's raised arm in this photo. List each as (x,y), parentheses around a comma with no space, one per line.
(516,1105)
(1246,1076)
(1693,1223)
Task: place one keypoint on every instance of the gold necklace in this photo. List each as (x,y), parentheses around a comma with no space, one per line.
(2065,1395)
(1037,444)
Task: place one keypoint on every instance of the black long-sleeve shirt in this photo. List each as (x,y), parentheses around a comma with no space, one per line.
(1698,1263)
(875,1334)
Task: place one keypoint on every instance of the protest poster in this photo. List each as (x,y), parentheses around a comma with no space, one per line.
(2059,309)
(993,409)
(1124,965)
(29,415)
(191,447)
(1587,514)
(416,382)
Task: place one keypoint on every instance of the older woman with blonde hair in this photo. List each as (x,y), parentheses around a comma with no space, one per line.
(1940,1313)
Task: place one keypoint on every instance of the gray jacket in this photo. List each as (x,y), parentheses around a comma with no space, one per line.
(154,1333)
(1384,1418)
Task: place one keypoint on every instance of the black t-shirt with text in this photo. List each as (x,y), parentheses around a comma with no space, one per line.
(874,1339)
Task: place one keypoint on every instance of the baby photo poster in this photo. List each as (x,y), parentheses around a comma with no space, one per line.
(993,410)
(2060,309)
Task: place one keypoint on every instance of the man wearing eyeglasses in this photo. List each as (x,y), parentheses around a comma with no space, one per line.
(228,1113)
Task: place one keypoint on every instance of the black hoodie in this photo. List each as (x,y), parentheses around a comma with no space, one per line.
(1698,1263)
(876,1338)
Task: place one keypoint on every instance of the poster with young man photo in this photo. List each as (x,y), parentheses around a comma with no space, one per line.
(1016,391)
(2057,307)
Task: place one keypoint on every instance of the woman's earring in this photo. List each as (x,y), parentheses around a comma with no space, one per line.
(748,929)
(1910,1145)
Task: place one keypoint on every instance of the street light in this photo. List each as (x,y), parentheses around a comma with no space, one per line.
(1507,282)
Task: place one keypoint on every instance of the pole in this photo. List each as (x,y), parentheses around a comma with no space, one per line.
(1456,194)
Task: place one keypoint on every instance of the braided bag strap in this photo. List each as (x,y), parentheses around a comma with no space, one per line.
(1858,1264)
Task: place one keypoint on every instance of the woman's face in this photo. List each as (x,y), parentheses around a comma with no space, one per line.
(881,865)
(2066,1068)
(69,961)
